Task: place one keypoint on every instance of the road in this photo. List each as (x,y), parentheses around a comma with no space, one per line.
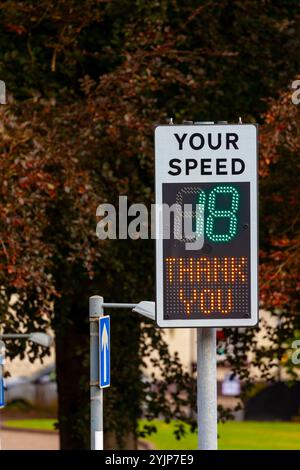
(26,440)
(11,439)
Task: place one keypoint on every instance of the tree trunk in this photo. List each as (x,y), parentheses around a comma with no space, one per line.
(72,369)
(121,401)
(111,442)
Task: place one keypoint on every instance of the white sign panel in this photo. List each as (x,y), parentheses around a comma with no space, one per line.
(206,225)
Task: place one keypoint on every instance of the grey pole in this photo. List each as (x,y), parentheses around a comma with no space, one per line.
(96,394)
(119,305)
(207,389)
(15,336)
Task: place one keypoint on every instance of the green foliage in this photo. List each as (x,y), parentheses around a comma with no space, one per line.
(36,424)
(234,435)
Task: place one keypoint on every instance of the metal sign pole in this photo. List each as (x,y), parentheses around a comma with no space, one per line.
(207,389)
(96,393)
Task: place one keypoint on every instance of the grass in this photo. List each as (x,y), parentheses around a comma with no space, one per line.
(232,435)
(37,424)
(245,435)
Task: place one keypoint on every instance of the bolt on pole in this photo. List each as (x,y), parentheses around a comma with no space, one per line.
(96,394)
(207,389)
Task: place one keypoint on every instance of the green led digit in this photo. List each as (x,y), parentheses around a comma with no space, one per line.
(200,215)
(222,213)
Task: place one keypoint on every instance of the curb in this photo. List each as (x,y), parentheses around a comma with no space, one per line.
(34,431)
(145,445)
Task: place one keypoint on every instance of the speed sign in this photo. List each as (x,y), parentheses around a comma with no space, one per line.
(206,225)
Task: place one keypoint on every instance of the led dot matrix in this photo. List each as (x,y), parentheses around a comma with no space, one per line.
(208,285)
(213,282)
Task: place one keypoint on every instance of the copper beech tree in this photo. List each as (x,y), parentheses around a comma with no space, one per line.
(54,176)
(279,249)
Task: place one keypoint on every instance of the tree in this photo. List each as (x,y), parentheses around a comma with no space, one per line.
(90,139)
(279,249)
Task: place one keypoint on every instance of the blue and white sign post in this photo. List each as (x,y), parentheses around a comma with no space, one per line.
(99,367)
(2,399)
(104,351)
(2,362)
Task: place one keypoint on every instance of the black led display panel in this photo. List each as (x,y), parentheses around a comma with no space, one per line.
(214,281)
